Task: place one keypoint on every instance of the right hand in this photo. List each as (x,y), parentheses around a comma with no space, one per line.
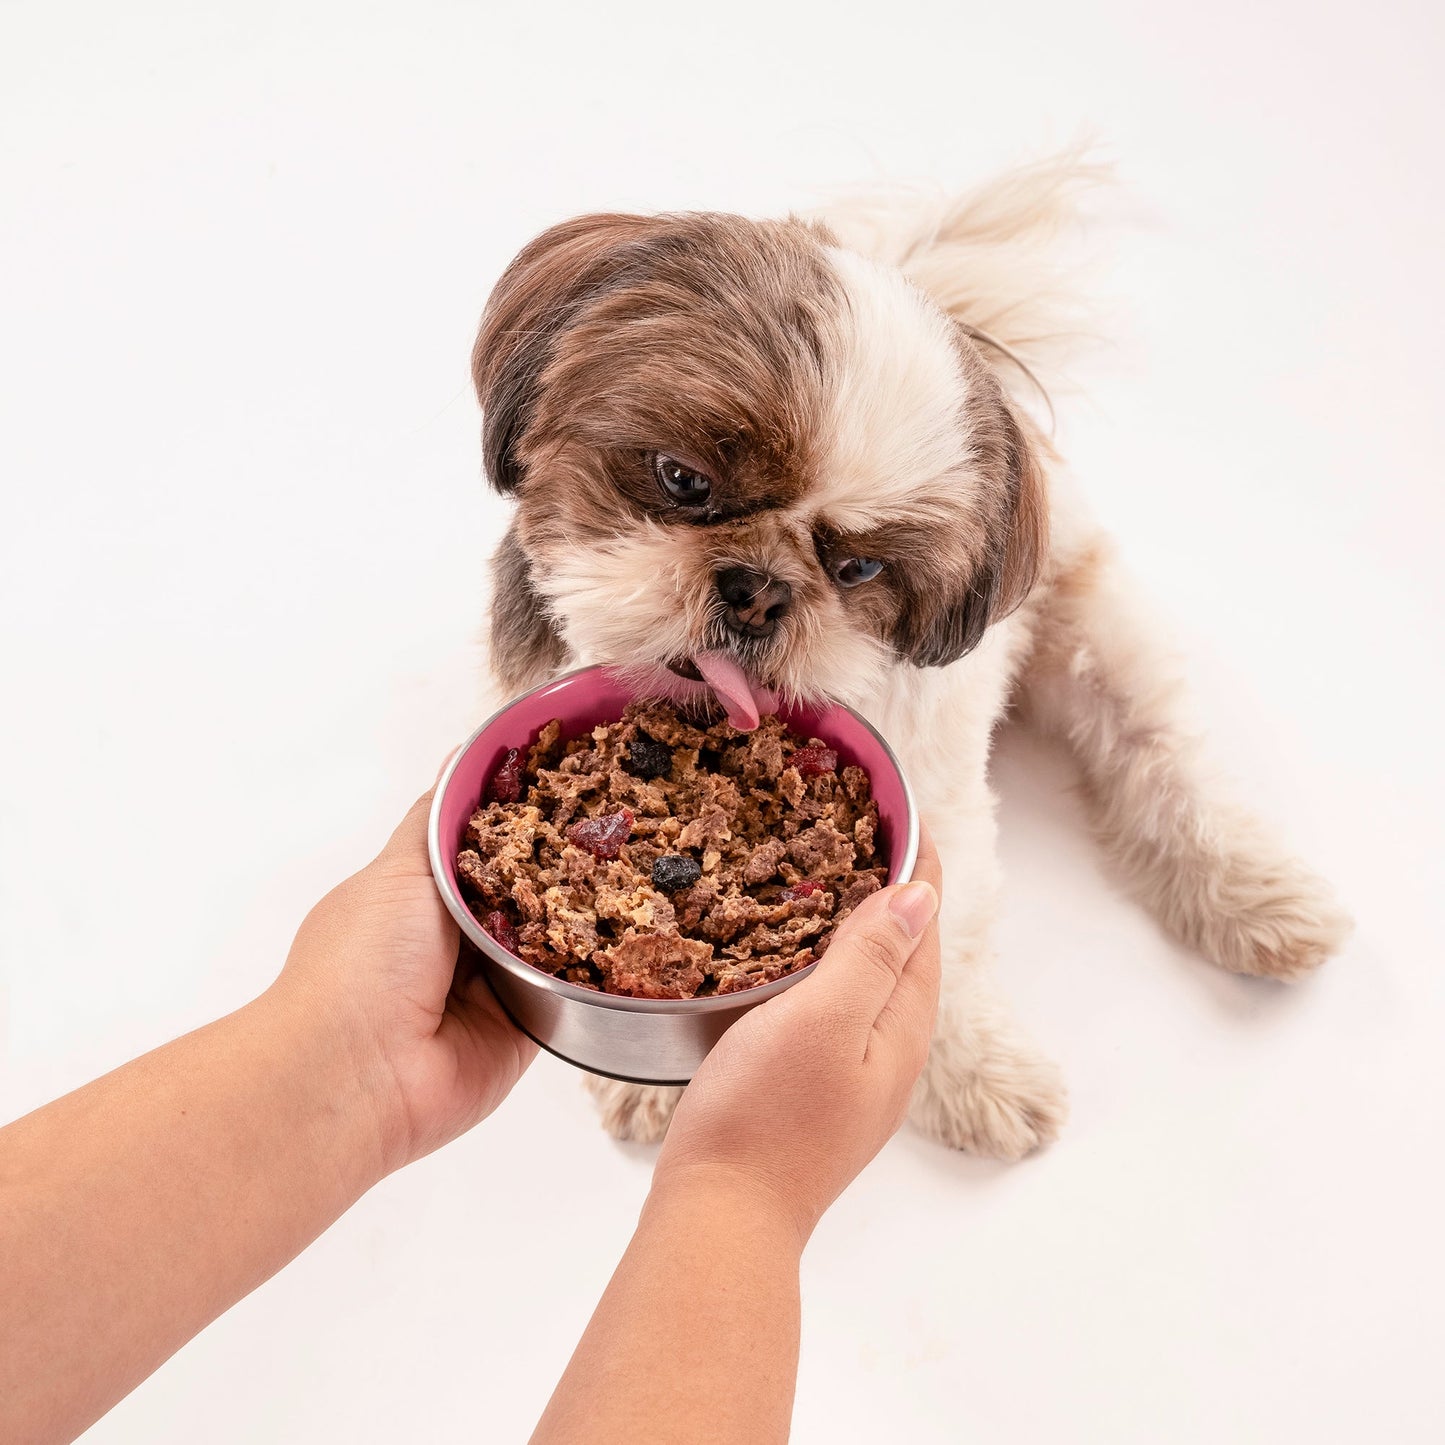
(803,1091)
(377,959)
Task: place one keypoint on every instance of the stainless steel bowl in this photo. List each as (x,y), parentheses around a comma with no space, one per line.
(647,1041)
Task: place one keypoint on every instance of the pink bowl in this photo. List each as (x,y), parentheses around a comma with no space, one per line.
(642,1040)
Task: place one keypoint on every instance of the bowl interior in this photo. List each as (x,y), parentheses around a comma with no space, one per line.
(583,699)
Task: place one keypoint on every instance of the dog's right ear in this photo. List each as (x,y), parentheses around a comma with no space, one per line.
(536,300)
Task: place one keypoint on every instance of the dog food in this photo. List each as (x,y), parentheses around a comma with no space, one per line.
(660,859)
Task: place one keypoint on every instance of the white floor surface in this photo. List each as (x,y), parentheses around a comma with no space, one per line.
(242,253)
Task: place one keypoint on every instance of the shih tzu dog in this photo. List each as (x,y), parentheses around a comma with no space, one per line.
(793,458)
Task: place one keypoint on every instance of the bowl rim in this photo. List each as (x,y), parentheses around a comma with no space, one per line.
(535,977)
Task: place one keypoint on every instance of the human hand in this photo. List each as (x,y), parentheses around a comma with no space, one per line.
(377,959)
(803,1091)
(136,1209)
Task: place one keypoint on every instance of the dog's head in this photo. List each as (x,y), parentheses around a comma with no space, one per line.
(735,445)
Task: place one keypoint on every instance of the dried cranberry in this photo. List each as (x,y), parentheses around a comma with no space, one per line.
(673,872)
(602,837)
(506,783)
(803,888)
(814,760)
(503,930)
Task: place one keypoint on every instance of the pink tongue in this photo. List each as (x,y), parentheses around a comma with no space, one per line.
(732,687)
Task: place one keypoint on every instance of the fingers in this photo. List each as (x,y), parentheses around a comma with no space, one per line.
(869,952)
(926,866)
(409,836)
(906,1021)
(881,970)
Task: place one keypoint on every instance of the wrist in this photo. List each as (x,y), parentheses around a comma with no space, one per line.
(342,1085)
(726,1201)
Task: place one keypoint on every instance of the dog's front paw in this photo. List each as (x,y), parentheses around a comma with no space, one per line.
(639,1113)
(1272,917)
(991,1096)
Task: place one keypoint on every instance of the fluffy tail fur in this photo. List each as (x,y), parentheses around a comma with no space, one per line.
(996,257)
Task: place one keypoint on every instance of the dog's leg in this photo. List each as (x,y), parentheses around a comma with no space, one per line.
(985,1088)
(1204,867)
(636,1112)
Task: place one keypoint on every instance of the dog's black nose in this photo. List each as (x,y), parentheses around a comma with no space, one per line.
(754,603)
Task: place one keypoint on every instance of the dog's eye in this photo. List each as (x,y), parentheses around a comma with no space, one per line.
(683,485)
(850,571)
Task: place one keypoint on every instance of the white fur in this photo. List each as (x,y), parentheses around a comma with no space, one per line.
(999,257)
(637,600)
(892,435)
(1100,682)
(1077,656)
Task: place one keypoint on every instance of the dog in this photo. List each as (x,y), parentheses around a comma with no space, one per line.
(795,458)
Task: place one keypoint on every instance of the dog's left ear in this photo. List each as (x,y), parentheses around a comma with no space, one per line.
(1008,562)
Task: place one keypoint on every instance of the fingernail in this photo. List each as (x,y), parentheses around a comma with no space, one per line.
(913,906)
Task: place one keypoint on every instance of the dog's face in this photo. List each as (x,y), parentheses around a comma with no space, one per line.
(732,440)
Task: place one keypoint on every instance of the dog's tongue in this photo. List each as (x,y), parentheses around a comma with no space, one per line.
(730,683)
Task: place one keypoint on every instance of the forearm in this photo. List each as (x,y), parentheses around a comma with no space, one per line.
(137,1209)
(697,1335)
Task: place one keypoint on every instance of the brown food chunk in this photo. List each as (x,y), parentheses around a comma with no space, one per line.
(859,889)
(654,965)
(778,854)
(763,862)
(822,851)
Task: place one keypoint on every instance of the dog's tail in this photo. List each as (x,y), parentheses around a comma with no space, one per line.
(998,258)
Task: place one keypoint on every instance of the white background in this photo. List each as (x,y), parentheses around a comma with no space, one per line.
(242,254)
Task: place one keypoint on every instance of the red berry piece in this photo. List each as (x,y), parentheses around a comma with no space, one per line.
(506,783)
(815,760)
(803,888)
(602,837)
(503,930)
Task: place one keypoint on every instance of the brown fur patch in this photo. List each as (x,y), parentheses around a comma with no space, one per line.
(977,569)
(525,647)
(611,338)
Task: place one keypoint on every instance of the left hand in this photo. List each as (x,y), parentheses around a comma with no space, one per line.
(836,1057)
(379,957)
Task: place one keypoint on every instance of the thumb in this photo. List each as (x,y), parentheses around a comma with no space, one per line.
(868,953)
(411,831)
(412,828)
(405,852)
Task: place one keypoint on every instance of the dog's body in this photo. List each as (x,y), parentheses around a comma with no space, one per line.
(832,399)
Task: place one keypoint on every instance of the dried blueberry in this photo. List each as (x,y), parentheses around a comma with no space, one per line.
(647,757)
(674,872)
